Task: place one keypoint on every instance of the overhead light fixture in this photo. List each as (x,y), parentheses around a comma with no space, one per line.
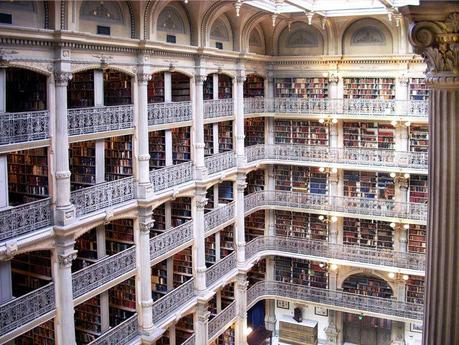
(328,219)
(405,277)
(328,121)
(247,330)
(392,225)
(406,226)
(391,275)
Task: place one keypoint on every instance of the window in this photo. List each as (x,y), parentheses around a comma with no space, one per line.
(171,39)
(6,18)
(103,30)
(219,45)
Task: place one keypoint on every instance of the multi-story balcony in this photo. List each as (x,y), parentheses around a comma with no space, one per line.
(24,127)
(216,108)
(166,113)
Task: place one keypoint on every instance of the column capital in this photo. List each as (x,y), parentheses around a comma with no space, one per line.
(65,259)
(333,79)
(241,78)
(200,78)
(143,78)
(438,42)
(146,225)
(403,80)
(62,78)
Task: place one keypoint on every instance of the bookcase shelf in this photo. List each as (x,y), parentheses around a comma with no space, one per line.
(418,188)
(25,90)
(181,145)
(210,250)
(118,157)
(208,139)
(254,131)
(27,176)
(225,86)
(257,273)
(122,296)
(369,135)
(40,335)
(86,245)
(418,89)
(417,238)
(419,138)
(82,164)
(119,235)
(255,181)
(159,280)
(164,340)
(181,211)
(88,321)
(226,241)
(415,289)
(300,179)
(254,86)
(208,87)
(155,88)
(368,233)
(117,88)
(369,88)
(225,192)
(183,270)
(184,329)
(80,90)
(301,272)
(300,225)
(159,216)
(180,87)
(227,295)
(301,132)
(225,136)
(30,271)
(302,87)
(227,337)
(157,149)
(366,184)
(254,225)
(367,286)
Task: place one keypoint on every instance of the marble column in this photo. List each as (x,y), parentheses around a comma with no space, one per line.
(239,113)
(240,296)
(198,127)
(64,322)
(198,203)
(65,211)
(201,322)
(434,32)
(334,328)
(239,226)
(270,309)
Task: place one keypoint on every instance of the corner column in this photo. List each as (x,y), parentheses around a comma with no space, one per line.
(198,203)
(239,226)
(201,322)
(240,294)
(239,113)
(198,128)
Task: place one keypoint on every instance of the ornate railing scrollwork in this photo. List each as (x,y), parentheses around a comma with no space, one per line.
(253,105)
(220,161)
(163,113)
(20,311)
(123,333)
(171,176)
(217,324)
(171,239)
(24,127)
(103,271)
(214,108)
(220,269)
(100,119)
(218,216)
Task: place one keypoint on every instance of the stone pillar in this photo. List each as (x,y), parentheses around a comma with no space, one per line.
(198,127)
(167,87)
(104,299)
(215,137)
(240,296)
(3,158)
(65,211)
(398,328)
(201,322)
(333,81)
(2,90)
(239,227)
(198,203)
(144,188)
(239,112)
(269,85)
(434,32)
(270,304)
(334,328)
(168,147)
(401,89)
(98,88)
(64,322)
(215,86)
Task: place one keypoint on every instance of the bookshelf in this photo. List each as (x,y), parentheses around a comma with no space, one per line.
(118,315)
(180,87)
(227,337)
(254,86)
(283,269)
(227,295)
(366,184)
(183,270)
(184,328)
(369,135)
(82,164)
(225,136)
(80,90)
(418,89)
(254,131)
(226,241)
(368,286)
(255,181)
(417,238)
(254,225)
(300,225)
(88,321)
(301,132)
(27,176)
(155,88)
(210,200)
(368,233)
(257,273)
(181,145)
(418,188)
(369,88)
(117,88)
(302,87)
(118,157)
(208,139)
(300,179)
(86,245)
(119,235)
(181,211)
(28,87)
(164,340)
(122,297)
(419,138)
(210,250)
(157,149)
(301,272)
(159,280)
(225,192)
(415,289)
(30,271)
(159,216)
(208,87)
(225,86)
(40,335)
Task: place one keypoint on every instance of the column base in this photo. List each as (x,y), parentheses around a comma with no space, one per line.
(145,191)
(64,215)
(150,336)
(332,334)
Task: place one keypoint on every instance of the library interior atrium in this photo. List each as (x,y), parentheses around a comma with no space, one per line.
(229,172)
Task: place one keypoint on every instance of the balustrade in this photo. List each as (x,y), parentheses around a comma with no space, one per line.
(220,161)
(171,176)
(163,113)
(189,341)
(24,127)
(123,333)
(103,195)
(219,322)
(214,108)
(218,216)
(336,300)
(221,268)
(171,239)
(100,119)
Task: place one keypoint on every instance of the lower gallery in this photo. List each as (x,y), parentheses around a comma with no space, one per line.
(211,172)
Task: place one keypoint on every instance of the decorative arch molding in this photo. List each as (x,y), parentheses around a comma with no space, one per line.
(178,70)
(154,9)
(214,11)
(170,20)
(257,42)
(247,29)
(219,30)
(30,7)
(356,271)
(43,68)
(300,39)
(367,35)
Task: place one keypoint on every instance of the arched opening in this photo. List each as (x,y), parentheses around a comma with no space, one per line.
(172,25)
(257,41)
(221,34)
(218,86)
(33,14)
(25,90)
(254,86)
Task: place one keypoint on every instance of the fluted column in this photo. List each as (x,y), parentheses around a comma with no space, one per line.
(438,41)
(239,227)
(65,212)
(201,322)
(240,154)
(198,127)
(240,296)
(64,322)
(145,189)
(198,203)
